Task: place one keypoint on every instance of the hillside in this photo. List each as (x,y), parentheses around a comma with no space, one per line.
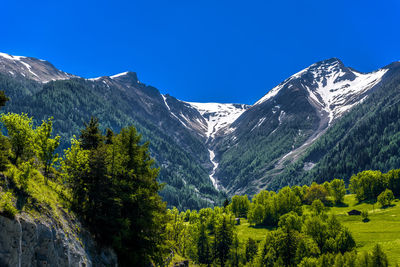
(302,130)
(365,138)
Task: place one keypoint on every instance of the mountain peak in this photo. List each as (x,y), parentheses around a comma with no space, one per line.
(128,76)
(31,68)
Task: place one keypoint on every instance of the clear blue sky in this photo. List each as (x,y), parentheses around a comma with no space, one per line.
(205,50)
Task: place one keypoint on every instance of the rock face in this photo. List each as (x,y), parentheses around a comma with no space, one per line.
(31,68)
(28,242)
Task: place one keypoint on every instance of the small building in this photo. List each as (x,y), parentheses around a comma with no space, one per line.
(354,212)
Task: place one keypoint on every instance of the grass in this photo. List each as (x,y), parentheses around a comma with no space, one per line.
(245,230)
(383,227)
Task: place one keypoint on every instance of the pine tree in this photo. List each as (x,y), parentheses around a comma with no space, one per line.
(3,99)
(203,246)
(251,249)
(115,191)
(91,136)
(378,257)
(223,241)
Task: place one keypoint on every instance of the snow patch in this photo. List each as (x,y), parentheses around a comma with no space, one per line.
(10,57)
(218,115)
(334,96)
(260,121)
(119,75)
(29,68)
(215,166)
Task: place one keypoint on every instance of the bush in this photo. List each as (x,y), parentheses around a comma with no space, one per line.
(364,215)
(386,197)
(7,205)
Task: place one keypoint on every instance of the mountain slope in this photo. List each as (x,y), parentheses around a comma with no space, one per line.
(293,134)
(279,127)
(365,138)
(31,68)
(119,101)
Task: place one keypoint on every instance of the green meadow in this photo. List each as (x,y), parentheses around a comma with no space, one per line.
(383,226)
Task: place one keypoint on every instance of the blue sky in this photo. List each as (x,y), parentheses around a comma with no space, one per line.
(204,51)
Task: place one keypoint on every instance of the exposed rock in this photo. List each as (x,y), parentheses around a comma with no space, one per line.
(25,241)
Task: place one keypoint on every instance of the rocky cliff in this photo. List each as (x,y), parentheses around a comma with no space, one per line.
(29,241)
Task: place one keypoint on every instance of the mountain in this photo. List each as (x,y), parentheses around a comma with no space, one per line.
(365,138)
(282,125)
(35,69)
(119,101)
(206,151)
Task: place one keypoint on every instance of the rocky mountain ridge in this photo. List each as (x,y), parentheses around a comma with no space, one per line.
(231,148)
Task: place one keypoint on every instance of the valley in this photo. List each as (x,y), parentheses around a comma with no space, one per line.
(208,151)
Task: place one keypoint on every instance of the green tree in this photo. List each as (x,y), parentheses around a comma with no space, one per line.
(223,240)
(115,190)
(91,136)
(251,249)
(21,134)
(203,246)
(337,190)
(4,143)
(314,192)
(385,198)
(46,146)
(240,205)
(364,215)
(3,99)
(5,148)
(345,241)
(378,257)
(317,207)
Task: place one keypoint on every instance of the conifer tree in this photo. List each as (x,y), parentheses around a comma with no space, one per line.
(223,240)
(203,246)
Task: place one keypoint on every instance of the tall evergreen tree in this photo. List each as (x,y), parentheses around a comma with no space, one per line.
(223,240)
(91,135)
(203,246)
(116,193)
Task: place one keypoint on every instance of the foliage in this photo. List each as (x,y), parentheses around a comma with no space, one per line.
(46,146)
(337,189)
(378,257)
(385,198)
(316,191)
(267,207)
(251,249)
(7,205)
(115,191)
(240,205)
(73,102)
(21,134)
(364,216)
(223,240)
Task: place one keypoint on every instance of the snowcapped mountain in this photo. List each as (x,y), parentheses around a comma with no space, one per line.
(331,86)
(31,68)
(279,127)
(202,148)
(218,116)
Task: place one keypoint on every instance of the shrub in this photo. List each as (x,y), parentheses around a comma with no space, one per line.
(386,197)
(364,216)
(7,205)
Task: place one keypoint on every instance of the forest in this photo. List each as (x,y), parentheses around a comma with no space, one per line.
(109,181)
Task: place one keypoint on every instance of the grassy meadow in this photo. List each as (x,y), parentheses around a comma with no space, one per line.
(383,227)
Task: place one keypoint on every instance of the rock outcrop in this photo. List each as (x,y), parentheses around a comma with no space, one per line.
(25,241)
